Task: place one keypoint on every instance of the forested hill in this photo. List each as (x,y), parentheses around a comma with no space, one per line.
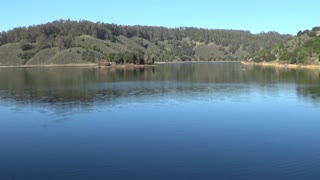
(304,48)
(68,42)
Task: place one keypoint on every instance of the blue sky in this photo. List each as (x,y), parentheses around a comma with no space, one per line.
(256,16)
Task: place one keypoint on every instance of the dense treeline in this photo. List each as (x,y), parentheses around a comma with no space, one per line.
(302,49)
(164,43)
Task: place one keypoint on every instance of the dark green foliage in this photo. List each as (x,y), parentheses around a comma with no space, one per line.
(89,56)
(312,34)
(270,57)
(44,42)
(302,54)
(97,49)
(26,46)
(316,28)
(26,55)
(65,42)
(313,45)
(118,58)
(3,38)
(233,48)
(289,57)
(300,33)
(101,32)
(264,55)
(186,58)
(182,48)
(128,57)
(138,57)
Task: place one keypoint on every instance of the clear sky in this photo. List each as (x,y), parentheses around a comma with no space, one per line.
(287,17)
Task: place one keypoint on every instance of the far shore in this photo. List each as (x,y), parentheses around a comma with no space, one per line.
(287,66)
(50,65)
(177,62)
(116,66)
(131,66)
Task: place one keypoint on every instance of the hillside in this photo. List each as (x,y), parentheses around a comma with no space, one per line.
(304,48)
(69,42)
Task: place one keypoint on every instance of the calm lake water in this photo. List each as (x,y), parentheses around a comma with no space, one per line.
(193,121)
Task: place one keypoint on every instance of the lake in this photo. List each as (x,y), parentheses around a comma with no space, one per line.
(190,121)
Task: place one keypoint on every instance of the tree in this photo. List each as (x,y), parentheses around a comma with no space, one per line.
(100,32)
(289,57)
(169,43)
(65,42)
(42,42)
(316,28)
(89,56)
(26,46)
(3,38)
(312,34)
(300,33)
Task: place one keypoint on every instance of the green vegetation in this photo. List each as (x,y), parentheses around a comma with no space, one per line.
(302,49)
(65,42)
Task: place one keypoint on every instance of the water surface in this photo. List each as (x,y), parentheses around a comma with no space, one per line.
(171,121)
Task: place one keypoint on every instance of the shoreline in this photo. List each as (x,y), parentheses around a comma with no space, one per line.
(116,66)
(286,66)
(49,65)
(129,66)
(185,62)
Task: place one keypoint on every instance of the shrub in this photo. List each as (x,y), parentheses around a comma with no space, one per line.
(26,46)
(312,34)
(289,56)
(104,63)
(26,55)
(88,56)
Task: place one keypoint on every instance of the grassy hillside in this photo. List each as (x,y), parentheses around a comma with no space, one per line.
(301,49)
(67,42)
(9,55)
